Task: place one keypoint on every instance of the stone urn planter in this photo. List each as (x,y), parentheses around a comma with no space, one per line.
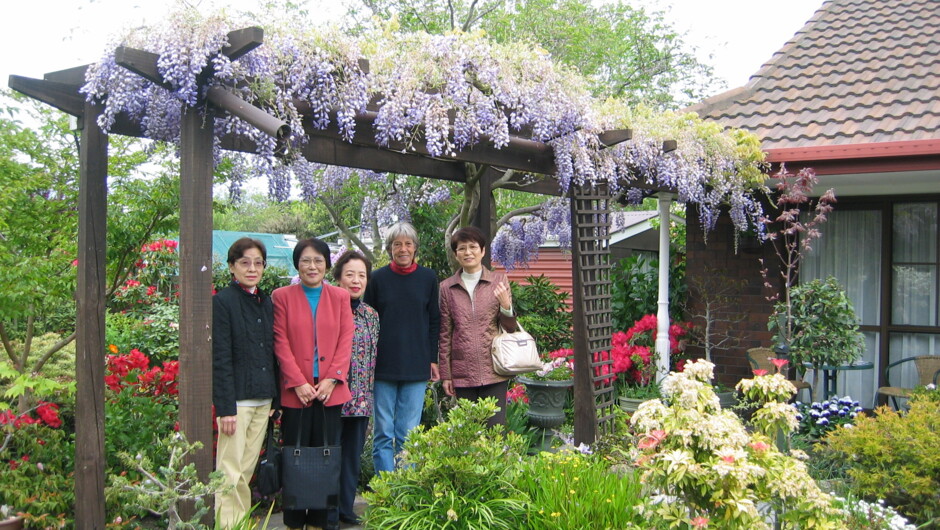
(630,405)
(546,401)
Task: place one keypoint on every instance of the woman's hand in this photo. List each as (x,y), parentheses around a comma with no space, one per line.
(325,389)
(305,393)
(448,387)
(503,295)
(227,425)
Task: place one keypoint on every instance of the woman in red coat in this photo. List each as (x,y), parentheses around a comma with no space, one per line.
(313,332)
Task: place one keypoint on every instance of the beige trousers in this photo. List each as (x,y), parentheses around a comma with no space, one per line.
(236,457)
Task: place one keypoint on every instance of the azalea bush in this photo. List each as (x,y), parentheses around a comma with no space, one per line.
(141,406)
(37,466)
(634,355)
(705,468)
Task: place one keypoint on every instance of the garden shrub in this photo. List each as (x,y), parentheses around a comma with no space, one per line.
(272,278)
(820,418)
(457,474)
(896,457)
(543,313)
(155,333)
(634,289)
(37,466)
(570,489)
(706,469)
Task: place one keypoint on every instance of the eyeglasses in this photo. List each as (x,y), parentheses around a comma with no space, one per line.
(246,263)
(306,262)
(468,248)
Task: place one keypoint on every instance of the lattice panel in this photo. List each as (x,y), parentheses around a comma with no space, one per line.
(591,248)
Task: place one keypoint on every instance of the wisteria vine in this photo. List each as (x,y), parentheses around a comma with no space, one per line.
(442,93)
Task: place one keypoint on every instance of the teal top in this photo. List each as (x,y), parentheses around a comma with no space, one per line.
(313,298)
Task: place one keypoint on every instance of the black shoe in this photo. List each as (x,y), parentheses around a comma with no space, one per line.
(350,519)
(331,525)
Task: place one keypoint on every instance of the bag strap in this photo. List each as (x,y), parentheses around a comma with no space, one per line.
(269,443)
(300,430)
(503,330)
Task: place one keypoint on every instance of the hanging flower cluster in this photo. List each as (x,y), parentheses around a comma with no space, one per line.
(437,94)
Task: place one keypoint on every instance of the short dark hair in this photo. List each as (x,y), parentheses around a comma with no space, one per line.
(467,234)
(348,256)
(238,249)
(318,245)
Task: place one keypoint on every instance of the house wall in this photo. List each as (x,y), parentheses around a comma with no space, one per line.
(717,253)
(553,262)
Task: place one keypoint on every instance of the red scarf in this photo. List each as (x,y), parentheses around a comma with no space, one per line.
(403,270)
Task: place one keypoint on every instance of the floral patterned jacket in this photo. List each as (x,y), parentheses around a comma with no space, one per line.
(362,361)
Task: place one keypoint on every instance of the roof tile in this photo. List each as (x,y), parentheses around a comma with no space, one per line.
(859,71)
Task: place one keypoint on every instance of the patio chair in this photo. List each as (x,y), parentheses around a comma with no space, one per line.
(928,370)
(760,359)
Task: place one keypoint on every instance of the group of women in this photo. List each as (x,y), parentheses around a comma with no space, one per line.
(309,352)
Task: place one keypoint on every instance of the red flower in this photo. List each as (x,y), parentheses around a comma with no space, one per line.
(759,372)
(651,439)
(49,413)
(151,290)
(517,393)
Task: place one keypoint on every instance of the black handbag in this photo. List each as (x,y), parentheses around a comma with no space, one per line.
(310,475)
(269,466)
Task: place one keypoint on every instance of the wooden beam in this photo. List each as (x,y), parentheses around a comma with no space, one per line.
(242,41)
(325,150)
(236,106)
(90,324)
(614,136)
(69,76)
(142,63)
(195,381)
(520,154)
(62,96)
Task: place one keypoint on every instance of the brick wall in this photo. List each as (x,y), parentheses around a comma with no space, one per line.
(717,253)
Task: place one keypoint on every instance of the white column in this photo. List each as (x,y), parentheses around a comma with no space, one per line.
(662,315)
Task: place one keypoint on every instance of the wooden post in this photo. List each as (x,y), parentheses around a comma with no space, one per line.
(89,325)
(195,381)
(590,252)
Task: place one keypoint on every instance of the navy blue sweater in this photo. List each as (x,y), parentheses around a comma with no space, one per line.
(410,320)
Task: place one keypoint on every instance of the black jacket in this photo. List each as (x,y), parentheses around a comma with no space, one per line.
(243,362)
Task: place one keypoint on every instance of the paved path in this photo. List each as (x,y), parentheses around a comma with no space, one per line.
(277,520)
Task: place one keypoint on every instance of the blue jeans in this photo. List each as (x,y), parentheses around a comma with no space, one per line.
(398,406)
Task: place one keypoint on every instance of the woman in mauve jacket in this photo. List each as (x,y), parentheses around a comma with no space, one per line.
(313,332)
(474,302)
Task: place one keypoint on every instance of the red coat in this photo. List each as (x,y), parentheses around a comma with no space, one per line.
(294,342)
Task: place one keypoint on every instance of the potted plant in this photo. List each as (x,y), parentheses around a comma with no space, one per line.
(634,360)
(823,327)
(547,388)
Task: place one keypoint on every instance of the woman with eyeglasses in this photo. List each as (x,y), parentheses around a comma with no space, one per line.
(474,303)
(313,333)
(244,382)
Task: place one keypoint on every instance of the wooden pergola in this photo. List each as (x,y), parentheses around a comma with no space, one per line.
(590,217)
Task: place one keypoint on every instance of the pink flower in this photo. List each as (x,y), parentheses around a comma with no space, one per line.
(760,447)
(760,371)
(651,439)
(728,459)
(779,363)
(700,522)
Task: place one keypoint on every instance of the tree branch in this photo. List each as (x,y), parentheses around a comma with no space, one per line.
(347,233)
(518,211)
(7,346)
(53,349)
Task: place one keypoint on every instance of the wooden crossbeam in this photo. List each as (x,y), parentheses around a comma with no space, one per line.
(62,96)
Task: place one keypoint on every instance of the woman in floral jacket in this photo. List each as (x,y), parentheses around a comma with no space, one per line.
(351,272)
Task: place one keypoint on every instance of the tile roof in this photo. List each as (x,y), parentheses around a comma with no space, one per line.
(860,71)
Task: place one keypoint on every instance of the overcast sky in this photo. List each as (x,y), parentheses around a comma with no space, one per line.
(47,35)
